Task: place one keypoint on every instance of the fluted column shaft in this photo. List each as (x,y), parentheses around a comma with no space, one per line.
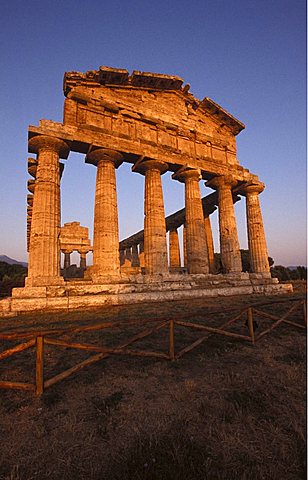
(106,260)
(229,245)
(83,261)
(184,246)
(197,257)
(174,249)
(155,242)
(44,248)
(210,244)
(67,260)
(141,254)
(122,256)
(256,236)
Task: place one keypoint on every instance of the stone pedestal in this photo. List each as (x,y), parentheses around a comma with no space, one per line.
(210,244)
(44,246)
(155,243)
(197,257)
(229,245)
(256,236)
(174,249)
(106,261)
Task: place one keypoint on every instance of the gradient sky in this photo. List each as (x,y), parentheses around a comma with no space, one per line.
(249,56)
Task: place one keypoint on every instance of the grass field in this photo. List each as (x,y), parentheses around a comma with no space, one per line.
(227,410)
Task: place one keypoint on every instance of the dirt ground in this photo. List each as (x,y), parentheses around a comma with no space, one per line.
(227,410)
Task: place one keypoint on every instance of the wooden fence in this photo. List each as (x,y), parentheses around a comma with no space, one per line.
(38,339)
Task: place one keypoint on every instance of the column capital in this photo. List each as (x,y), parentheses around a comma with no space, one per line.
(67,251)
(254,188)
(221,181)
(145,164)
(98,155)
(45,142)
(186,172)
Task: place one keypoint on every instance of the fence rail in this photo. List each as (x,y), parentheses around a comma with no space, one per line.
(38,339)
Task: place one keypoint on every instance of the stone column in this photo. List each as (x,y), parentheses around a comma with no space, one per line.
(83,260)
(174,249)
(185,246)
(155,243)
(141,254)
(197,258)
(67,259)
(256,236)
(210,244)
(122,256)
(106,260)
(135,256)
(44,247)
(229,245)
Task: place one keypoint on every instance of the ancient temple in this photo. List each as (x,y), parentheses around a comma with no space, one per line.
(153,122)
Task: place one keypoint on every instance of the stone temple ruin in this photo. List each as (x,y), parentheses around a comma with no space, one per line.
(153,122)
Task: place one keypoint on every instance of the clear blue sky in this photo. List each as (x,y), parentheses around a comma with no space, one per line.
(249,56)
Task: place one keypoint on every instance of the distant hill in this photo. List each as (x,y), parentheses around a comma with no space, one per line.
(11,261)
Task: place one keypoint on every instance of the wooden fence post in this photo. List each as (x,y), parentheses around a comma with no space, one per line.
(171,339)
(39,365)
(250,324)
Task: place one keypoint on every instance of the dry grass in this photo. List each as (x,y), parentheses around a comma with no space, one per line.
(227,410)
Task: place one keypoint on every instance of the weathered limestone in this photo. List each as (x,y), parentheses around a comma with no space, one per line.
(155,243)
(44,249)
(174,249)
(256,236)
(210,244)
(229,244)
(197,256)
(106,235)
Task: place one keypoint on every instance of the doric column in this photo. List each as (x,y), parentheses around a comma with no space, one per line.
(106,260)
(197,258)
(229,245)
(184,246)
(44,247)
(67,259)
(256,236)
(135,256)
(174,249)
(210,244)
(141,254)
(155,243)
(122,256)
(83,260)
